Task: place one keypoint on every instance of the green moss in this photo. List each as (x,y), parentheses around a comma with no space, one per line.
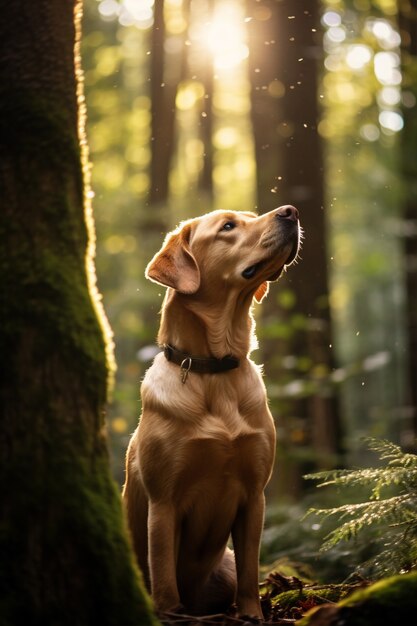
(288,599)
(44,275)
(390,601)
(39,126)
(71,550)
(389,594)
(65,554)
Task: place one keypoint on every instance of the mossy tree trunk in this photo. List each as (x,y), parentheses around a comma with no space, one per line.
(65,558)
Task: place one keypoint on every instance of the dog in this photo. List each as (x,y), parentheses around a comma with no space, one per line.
(199,461)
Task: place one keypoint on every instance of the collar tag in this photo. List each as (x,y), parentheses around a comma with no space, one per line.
(185,368)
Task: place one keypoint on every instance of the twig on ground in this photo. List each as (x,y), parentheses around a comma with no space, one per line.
(218,619)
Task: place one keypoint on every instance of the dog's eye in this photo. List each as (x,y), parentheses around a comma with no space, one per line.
(228,226)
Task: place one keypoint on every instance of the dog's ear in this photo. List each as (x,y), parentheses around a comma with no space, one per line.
(174,265)
(261,292)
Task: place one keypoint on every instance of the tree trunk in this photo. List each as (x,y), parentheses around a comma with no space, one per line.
(64,552)
(163,94)
(206,120)
(408,27)
(267,91)
(284,77)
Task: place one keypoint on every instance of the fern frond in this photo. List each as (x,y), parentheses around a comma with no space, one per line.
(401,505)
(393,518)
(380,477)
(389,450)
(394,511)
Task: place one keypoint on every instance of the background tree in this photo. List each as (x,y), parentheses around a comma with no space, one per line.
(284,54)
(206,177)
(163,92)
(65,554)
(408,29)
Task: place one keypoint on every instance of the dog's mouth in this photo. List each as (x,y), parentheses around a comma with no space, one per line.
(254,269)
(294,250)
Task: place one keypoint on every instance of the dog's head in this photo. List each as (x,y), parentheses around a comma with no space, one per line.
(228,249)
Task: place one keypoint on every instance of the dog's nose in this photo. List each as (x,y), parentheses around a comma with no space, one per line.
(287,212)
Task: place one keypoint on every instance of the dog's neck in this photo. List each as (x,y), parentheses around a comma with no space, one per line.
(209,330)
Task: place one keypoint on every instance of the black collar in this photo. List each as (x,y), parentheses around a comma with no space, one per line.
(201,365)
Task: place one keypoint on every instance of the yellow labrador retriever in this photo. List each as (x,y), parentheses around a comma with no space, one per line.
(199,461)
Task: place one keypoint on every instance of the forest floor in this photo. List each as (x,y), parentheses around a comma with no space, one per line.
(284,600)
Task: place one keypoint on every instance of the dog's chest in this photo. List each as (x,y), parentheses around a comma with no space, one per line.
(216,463)
(211,440)
(218,460)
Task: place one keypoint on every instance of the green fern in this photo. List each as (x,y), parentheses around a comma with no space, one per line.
(390,511)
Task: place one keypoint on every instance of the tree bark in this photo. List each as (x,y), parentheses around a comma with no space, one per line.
(284,57)
(65,555)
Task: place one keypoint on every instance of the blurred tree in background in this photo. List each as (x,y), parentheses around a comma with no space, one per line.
(408,32)
(285,43)
(200,104)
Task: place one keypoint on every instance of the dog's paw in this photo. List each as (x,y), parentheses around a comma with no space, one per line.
(250,614)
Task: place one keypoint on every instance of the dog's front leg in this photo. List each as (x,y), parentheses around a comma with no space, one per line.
(246,534)
(162,559)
